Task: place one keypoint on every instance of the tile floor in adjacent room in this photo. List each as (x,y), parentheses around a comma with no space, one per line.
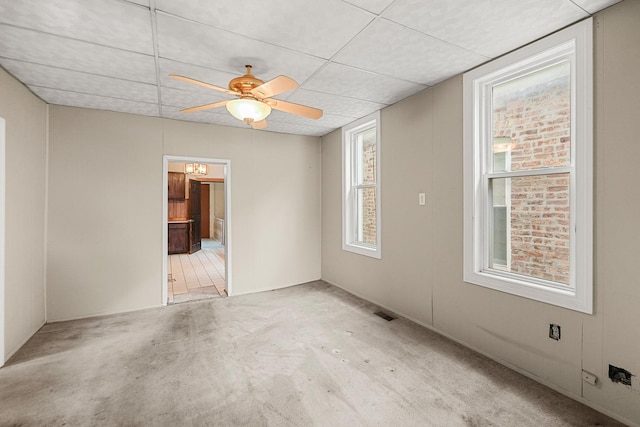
(197,276)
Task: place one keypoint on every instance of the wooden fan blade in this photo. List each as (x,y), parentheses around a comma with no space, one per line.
(205,106)
(274,87)
(290,107)
(203,84)
(261,124)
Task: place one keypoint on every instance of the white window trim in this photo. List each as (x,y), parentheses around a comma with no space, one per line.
(579,294)
(348,226)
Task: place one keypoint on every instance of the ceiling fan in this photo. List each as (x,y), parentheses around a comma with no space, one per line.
(255,100)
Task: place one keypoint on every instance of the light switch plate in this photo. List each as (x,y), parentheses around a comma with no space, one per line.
(422,199)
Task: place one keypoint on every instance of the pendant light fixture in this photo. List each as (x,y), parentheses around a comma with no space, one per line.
(195,169)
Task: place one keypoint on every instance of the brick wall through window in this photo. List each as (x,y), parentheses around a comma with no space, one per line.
(537,119)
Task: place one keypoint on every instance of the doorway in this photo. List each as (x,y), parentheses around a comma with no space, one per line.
(196,260)
(212,209)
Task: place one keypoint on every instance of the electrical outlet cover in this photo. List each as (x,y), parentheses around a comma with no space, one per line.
(589,377)
(554,331)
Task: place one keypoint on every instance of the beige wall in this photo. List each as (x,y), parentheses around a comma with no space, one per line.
(26,130)
(216,171)
(420,274)
(104,257)
(217,190)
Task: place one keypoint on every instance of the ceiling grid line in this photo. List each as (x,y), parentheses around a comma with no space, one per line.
(71,38)
(193,21)
(331,60)
(583,9)
(89,94)
(156,56)
(5,58)
(430,35)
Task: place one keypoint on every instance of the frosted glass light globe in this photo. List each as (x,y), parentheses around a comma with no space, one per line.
(244,108)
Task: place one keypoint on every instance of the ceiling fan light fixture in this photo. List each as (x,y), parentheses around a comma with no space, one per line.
(244,108)
(255,98)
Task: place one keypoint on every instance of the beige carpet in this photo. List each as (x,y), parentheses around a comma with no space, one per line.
(302,356)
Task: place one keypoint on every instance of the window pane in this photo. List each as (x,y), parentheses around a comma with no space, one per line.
(530,226)
(499,251)
(366,157)
(366,225)
(499,245)
(532,119)
(500,160)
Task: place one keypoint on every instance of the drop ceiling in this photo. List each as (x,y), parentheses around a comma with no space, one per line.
(350,58)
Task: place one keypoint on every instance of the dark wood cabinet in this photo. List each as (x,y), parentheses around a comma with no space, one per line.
(195,214)
(179,237)
(176,185)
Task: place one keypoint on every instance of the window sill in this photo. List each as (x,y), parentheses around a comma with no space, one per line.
(369,251)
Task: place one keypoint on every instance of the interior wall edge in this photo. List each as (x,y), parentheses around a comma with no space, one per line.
(10,352)
(25,138)
(3,357)
(46,208)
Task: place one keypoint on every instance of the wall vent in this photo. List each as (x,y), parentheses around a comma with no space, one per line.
(384,315)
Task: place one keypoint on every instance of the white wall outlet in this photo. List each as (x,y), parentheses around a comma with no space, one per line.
(422,199)
(589,377)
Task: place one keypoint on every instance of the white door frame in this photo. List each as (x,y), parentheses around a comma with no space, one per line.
(2,237)
(165,216)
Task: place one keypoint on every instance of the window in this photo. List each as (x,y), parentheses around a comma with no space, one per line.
(361,186)
(528,160)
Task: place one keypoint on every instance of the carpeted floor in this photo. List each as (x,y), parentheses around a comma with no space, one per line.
(307,355)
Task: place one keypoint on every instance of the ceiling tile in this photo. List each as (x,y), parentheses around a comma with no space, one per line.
(46,49)
(205,46)
(326,121)
(375,6)
(297,129)
(487,27)
(592,6)
(354,83)
(335,104)
(394,50)
(187,98)
(74,99)
(100,53)
(144,3)
(96,21)
(75,81)
(318,28)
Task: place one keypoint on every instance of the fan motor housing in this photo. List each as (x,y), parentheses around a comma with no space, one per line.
(246,83)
